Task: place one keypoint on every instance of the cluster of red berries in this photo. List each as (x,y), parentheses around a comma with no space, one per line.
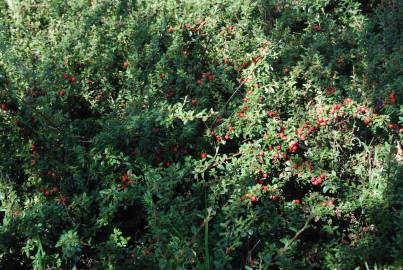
(277,155)
(34,153)
(273,197)
(262,176)
(316,181)
(306,130)
(50,192)
(71,79)
(329,203)
(227,136)
(218,138)
(392,126)
(125,181)
(293,146)
(205,75)
(33,148)
(188,26)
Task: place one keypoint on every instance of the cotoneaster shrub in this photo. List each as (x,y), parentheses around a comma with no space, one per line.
(200,134)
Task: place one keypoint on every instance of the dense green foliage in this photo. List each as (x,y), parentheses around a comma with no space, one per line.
(200,134)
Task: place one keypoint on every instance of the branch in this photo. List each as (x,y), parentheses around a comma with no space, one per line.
(295,237)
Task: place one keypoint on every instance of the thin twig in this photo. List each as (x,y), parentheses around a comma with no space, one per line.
(295,237)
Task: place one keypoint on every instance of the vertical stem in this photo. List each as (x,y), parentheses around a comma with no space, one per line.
(206,248)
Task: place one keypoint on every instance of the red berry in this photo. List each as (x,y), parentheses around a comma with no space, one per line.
(319,181)
(278,147)
(4,106)
(194,101)
(297,201)
(203,155)
(347,100)
(293,146)
(227,137)
(299,131)
(73,78)
(265,188)
(253,199)
(271,114)
(324,203)
(61,93)
(167,164)
(392,98)
(66,76)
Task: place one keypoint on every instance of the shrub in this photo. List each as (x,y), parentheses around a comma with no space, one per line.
(200,134)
